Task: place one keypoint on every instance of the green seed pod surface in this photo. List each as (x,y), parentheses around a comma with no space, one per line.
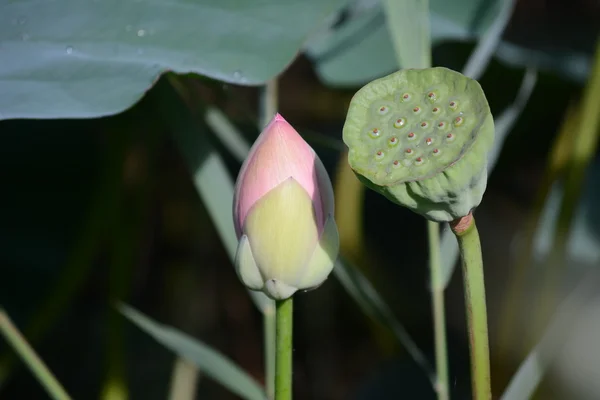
(421,138)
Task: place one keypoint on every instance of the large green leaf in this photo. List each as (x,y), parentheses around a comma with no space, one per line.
(364,42)
(84,58)
(208,360)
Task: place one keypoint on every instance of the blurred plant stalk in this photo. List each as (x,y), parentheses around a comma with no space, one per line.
(269,100)
(39,369)
(438,310)
(184,380)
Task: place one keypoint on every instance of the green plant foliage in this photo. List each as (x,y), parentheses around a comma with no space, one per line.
(211,362)
(72,58)
(363,41)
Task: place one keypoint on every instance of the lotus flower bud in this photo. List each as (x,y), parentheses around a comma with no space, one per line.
(283,215)
(421,138)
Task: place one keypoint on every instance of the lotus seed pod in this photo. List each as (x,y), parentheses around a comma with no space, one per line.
(421,137)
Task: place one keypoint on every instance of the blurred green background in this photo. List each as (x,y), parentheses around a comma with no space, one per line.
(98,203)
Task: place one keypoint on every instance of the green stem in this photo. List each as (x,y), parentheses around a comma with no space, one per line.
(270,336)
(472,267)
(30,358)
(283,358)
(439,313)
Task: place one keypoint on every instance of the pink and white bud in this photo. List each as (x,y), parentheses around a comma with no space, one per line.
(283,215)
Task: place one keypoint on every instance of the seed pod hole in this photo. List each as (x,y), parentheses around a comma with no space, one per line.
(458,121)
(396,164)
(450,137)
(441,125)
(453,105)
(436,152)
(419,161)
(417,110)
(399,123)
(375,132)
(406,97)
(383,110)
(424,124)
(393,141)
(409,151)
(435,110)
(379,154)
(432,96)
(411,136)
(428,141)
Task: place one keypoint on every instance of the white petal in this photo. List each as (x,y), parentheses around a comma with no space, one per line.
(278,290)
(321,263)
(246,267)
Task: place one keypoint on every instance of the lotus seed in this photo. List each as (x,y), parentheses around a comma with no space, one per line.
(441,124)
(428,141)
(416,110)
(383,110)
(435,110)
(375,133)
(409,151)
(396,163)
(400,122)
(424,124)
(436,152)
(450,137)
(379,155)
(406,96)
(411,136)
(432,96)
(419,161)
(458,121)
(453,105)
(393,141)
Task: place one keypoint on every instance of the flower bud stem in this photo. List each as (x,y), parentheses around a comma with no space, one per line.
(283,363)
(472,268)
